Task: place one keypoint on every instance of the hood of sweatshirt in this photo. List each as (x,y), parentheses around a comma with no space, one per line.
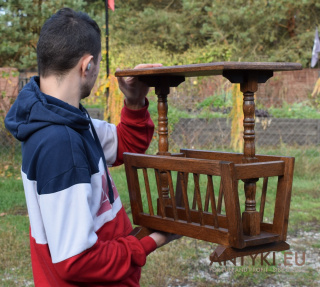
(34,110)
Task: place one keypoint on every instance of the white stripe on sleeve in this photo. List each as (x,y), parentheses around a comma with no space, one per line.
(68,221)
(107,134)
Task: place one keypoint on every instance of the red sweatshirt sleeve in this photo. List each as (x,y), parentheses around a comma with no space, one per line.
(108,261)
(134,131)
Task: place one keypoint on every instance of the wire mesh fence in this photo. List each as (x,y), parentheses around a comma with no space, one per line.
(269,132)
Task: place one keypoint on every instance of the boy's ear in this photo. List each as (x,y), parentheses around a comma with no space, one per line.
(86,64)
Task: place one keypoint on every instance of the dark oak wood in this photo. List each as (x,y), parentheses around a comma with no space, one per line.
(190,229)
(198,213)
(197,217)
(185,198)
(224,253)
(232,205)
(160,185)
(183,165)
(140,232)
(256,170)
(220,198)
(162,90)
(225,156)
(211,197)
(148,191)
(172,196)
(283,199)
(250,217)
(209,69)
(263,197)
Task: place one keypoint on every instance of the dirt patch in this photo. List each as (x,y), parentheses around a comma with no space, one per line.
(299,266)
(18,210)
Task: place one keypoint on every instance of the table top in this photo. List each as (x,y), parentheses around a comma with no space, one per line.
(209,69)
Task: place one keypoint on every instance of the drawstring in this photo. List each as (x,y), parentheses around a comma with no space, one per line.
(111,195)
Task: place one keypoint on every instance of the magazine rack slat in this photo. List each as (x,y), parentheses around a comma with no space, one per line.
(199,214)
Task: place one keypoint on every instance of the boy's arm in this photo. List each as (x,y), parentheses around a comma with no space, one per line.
(133,134)
(135,131)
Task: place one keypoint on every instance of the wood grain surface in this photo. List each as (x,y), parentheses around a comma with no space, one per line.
(209,69)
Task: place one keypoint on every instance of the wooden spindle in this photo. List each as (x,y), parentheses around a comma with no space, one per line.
(148,192)
(179,199)
(162,93)
(163,144)
(263,197)
(210,191)
(185,197)
(206,202)
(173,199)
(250,217)
(220,198)
(161,208)
(194,202)
(198,197)
(248,88)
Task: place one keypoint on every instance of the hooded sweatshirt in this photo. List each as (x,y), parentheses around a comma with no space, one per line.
(78,236)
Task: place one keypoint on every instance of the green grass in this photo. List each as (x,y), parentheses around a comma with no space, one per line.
(11,194)
(15,263)
(302,110)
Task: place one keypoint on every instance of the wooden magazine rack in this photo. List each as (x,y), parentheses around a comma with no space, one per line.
(197,192)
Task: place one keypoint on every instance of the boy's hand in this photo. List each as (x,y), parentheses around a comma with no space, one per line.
(163,238)
(134,90)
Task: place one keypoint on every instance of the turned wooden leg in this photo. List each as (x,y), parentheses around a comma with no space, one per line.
(162,93)
(248,89)
(250,217)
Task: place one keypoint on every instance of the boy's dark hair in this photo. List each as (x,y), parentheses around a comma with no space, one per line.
(64,38)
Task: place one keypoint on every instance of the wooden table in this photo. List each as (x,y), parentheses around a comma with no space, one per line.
(239,235)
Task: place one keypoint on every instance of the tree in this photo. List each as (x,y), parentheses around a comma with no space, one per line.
(246,30)
(269,30)
(275,30)
(21,22)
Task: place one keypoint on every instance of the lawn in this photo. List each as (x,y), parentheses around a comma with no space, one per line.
(186,262)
